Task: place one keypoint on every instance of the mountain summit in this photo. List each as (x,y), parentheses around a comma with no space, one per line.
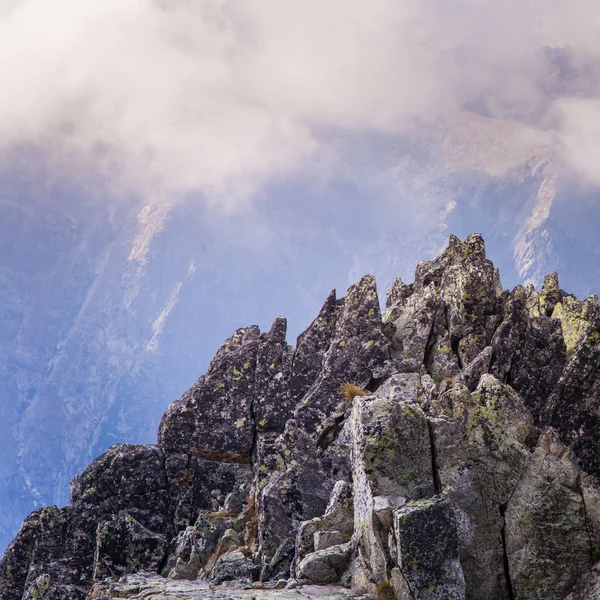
(446,449)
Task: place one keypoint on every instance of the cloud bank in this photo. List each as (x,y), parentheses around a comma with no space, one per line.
(167,97)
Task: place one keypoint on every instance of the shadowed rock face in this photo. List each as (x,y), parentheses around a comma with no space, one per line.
(464,466)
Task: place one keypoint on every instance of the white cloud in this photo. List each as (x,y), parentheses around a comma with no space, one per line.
(581,135)
(171,96)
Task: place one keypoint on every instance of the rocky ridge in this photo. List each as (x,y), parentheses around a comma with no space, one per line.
(465,467)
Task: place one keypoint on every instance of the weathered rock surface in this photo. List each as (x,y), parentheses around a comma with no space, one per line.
(325,566)
(428,551)
(150,587)
(339,516)
(548,542)
(588,587)
(463,465)
(216,414)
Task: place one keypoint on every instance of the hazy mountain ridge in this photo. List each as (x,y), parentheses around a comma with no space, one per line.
(109,311)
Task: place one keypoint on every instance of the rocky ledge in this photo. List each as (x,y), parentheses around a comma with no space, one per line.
(462,462)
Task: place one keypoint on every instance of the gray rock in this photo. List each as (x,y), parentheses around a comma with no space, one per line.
(147,586)
(391,440)
(300,492)
(312,345)
(338,516)
(194,547)
(573,407)
(428,550)
(481,455)
(215,416)
(233,565)
(357,346)
(550,294)
(391,458)
(273,404)
(42,588)
(359,577)
(196,484)
(326,539)
(590,492)
(588,587)
(125,546)
(468,290)
(547,543)
(434,484)
(442,362)
(529,352)
(230,541)
(413,323)
(473,372)
(184,562)
(17,557)
(336,457)
(395,298)
(326,566)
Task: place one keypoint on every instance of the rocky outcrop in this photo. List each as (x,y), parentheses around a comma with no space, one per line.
(461,464)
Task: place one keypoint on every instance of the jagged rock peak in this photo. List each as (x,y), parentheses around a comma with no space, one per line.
(461,462)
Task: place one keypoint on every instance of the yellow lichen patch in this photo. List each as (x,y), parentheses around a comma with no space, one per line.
(350,390)
(573,322)
(240,422)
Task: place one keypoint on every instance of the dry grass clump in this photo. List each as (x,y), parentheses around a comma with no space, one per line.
(218,514)
(384,591)
(351,390)
(250,506)
(251,521)
(212,561)
(186,478)
(245,550)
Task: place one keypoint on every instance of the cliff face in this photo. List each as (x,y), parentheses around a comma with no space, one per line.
(464,465)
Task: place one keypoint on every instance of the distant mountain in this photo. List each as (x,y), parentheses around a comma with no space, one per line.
(109,310)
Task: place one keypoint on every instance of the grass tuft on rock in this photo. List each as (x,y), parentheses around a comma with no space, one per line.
(351,390)
(449,381)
